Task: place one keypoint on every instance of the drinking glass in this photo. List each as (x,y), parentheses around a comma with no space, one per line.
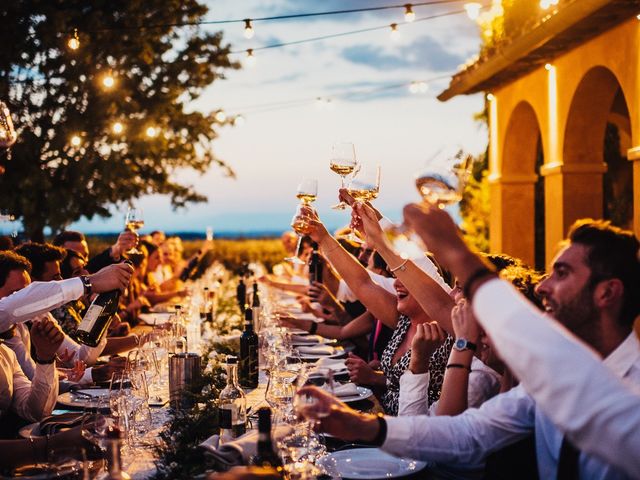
(308,405)
(364,188)
(307,190)
(442,182)
(343,162)
(134,221)
(300,224)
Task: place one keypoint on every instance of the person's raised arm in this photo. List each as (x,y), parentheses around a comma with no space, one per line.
(380,302)
(429,294)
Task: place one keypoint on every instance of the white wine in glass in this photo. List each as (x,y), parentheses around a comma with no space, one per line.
(134,221)
(442,183)
(343,162)
(300,224)
(307,190)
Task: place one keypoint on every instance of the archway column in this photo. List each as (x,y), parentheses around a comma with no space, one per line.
(512,224)
(572,191)
(633,155)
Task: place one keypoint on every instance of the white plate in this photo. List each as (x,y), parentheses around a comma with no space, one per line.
(367,463)
(338,353)
(70,399)
(155,318)
(363,393)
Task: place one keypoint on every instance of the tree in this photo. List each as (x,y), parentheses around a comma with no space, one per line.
(56,93)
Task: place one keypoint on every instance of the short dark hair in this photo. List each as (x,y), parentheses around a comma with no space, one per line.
(6,243)
(39,254)
(65,265)
(502,260)
(68,236)
(12,261)
(613,253)
(378,261)
(524,279)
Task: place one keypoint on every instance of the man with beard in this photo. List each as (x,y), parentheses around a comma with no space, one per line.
(593,291)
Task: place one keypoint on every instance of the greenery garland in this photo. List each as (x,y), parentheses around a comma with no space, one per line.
(178,455)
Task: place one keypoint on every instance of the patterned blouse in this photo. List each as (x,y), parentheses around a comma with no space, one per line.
(437,366)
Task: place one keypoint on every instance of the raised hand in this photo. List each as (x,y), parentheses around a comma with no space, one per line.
(113,277)
(317,231)
(75,373)
(370,226)
(428,337)
(126,241)
(46,337)
(464,322)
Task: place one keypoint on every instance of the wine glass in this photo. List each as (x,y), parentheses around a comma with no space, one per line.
(343,162)
(307,190)
(443,181)
(300,224)
(134,221)
(364,188)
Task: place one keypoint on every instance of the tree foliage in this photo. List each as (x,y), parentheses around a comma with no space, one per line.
(55,92)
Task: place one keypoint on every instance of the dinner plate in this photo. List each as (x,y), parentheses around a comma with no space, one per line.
(338,353)
(155,318)
(368,463)
(363,393)
(80,400)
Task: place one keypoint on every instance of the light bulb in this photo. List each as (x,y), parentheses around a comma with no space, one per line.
(473,10)
(238,121)
(491,97)
(409,15)
(76,140)
(548,67)
(545,4)
(221,116)
(108,81)
(151,132)
(395,34)
(74,41)
(117,128)
(248,29)
(251,59)
(413,87)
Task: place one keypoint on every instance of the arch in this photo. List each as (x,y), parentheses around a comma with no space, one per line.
(521,140)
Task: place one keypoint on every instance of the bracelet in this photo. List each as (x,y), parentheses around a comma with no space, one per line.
(473,278)
(39,361)
(382,431)
(313,328)
(402,267)
(458,365)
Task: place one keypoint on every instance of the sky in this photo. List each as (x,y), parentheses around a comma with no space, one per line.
(277,147)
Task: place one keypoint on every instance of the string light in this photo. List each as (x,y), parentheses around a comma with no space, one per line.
(418,87)
(117,128)
(238,121)
(251,59)
(395,34)
(151,132)
(491,97)
(409,15)
(74,41)
(249,32)
(473,10)
(221,116)
(75,140)
(545,4)
(108,81)
(548,67)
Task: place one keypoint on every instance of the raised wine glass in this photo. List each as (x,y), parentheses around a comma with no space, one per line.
(134,221)
(300,224)
(364,188)
(307,190)
(343,162)
(442,182)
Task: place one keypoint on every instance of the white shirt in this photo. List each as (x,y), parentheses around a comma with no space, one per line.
(583,396)
(37,298)
(30,400)
(484,383)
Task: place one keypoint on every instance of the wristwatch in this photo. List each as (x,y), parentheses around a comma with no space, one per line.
(86,283)
(463,344)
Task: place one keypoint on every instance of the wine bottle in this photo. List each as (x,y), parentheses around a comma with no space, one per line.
(241,294)
(114,459)
(255,307)
(265,453)
(249,353)
(315,265)
(232,405)
(97,318)
(187,271)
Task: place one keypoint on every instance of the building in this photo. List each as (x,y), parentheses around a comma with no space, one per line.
(558,93)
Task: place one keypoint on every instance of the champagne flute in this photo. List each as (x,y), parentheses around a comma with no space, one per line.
(364,188)
(343,162)
(300,224)
(134,220)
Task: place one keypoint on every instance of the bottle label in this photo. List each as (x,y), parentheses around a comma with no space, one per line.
(225,417)
(90,318)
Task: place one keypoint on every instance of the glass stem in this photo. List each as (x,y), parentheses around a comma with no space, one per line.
(297,254)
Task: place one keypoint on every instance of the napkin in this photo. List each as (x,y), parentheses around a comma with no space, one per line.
(239,451)
(317,350)
(345,390)
(155,318)
(306,339)
(334,364)
(57,423)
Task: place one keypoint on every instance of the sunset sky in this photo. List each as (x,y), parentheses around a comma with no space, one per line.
(280,144)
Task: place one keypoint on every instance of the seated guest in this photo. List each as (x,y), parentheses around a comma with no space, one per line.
(6,243)
(591,291)
(400,312)
(72,240)
(152,290)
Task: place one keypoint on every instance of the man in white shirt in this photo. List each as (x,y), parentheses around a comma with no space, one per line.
(593,291)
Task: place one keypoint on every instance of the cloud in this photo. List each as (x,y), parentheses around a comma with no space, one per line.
(423,53)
